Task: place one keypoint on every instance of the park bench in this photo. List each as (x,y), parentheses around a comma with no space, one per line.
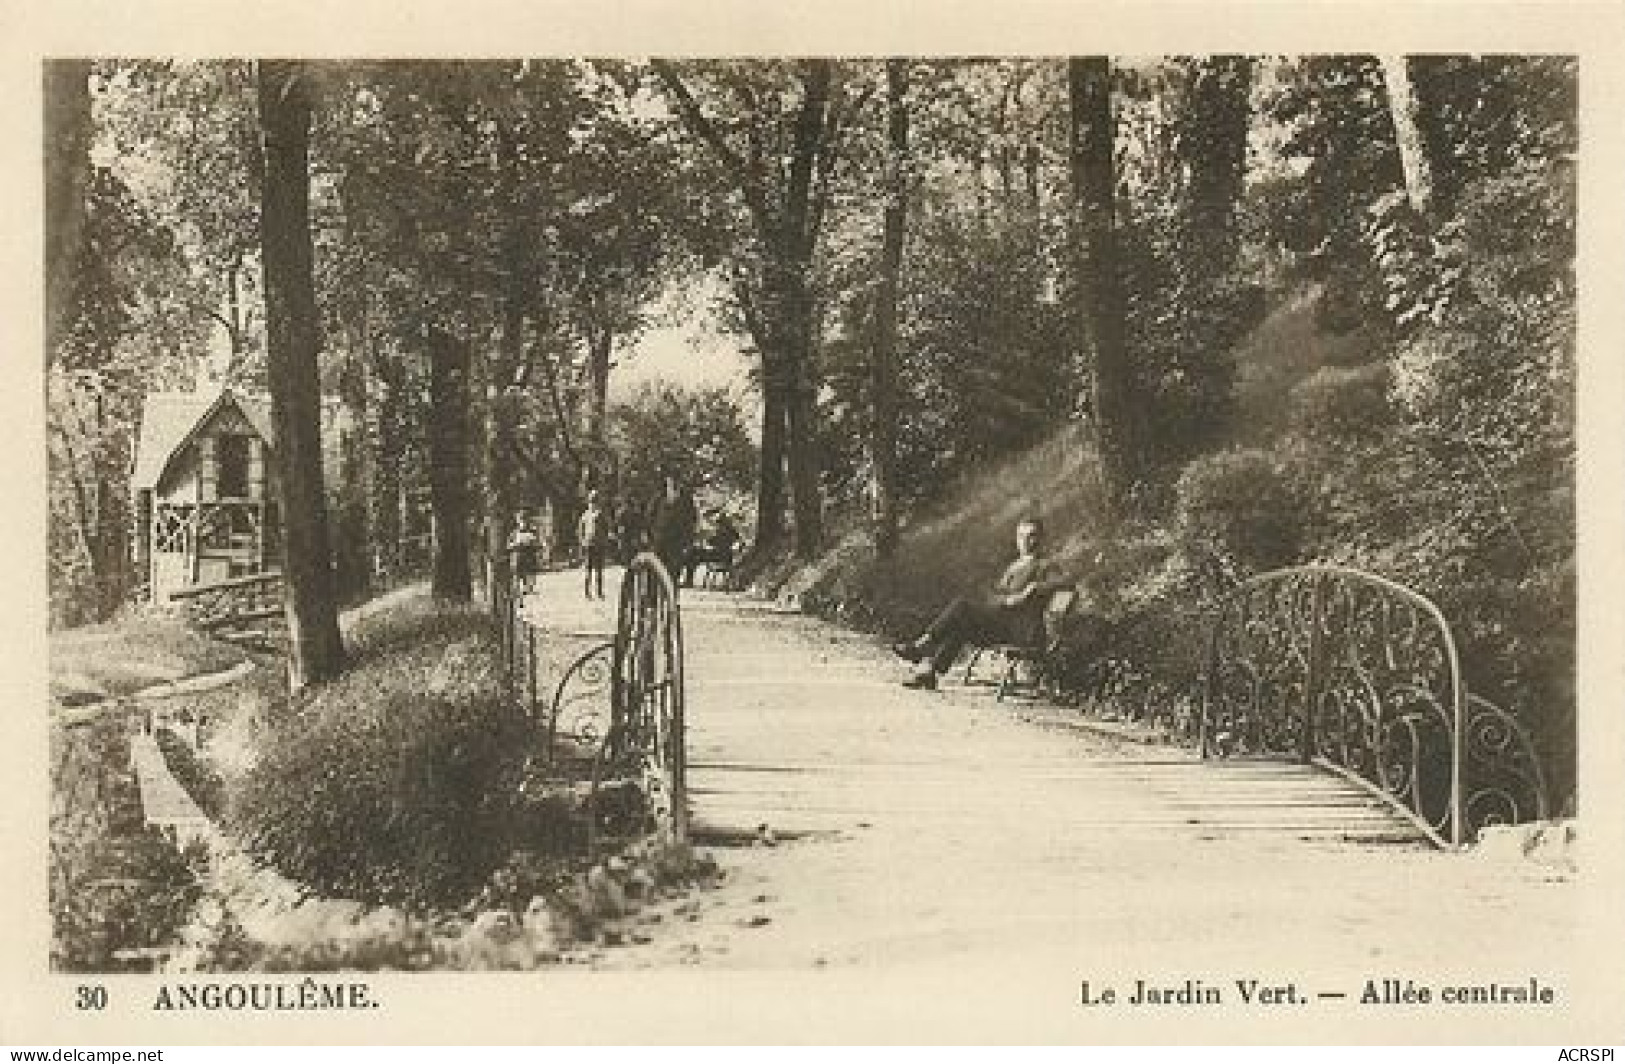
(719,567)
(1027,667)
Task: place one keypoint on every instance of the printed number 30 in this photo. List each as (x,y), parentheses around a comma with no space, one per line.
(91,997)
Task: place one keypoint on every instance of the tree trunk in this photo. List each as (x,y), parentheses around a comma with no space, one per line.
(500,493)
(801,456)
(770,486)
(67,177)
(353,555)
(448,440)
(795,244)
(1413,157)
(788,453)
(1213,145)
(564,510)
(1097,293)
(780,312)
(1216,134)
(883,356)
(113,464)
(291,316)
(388,439)
(600,346)
(499,499)
(72,535)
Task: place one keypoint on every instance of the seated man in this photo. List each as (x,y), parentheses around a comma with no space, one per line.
(718,552)
(1012,612)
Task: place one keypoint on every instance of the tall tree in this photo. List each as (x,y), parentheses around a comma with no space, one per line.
(449,472)
(780,164)
(286,98)
(1214,144)
(519,207)
(506,368)
(1413,155)
(619,241)
(413,252)
(1212,306)
(187,133)
(125,320)
(1482,114)
(883,356)
(1096,289)
(67,178)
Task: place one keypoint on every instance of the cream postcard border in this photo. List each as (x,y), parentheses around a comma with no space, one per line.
(938,1005)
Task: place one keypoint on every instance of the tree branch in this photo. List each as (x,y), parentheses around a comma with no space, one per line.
(748,310)
(537,469)
(829,158)
(748,182)
(810,125)
(556,400)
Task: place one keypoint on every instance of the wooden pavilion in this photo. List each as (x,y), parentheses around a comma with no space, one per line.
(205,495)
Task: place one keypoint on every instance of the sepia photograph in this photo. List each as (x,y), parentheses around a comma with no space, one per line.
(1093,528)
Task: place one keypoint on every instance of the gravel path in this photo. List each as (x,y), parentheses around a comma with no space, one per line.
(917,829)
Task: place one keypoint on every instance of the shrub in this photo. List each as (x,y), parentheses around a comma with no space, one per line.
(1342,403)
(192,772)
(1243,504)
(397,783)
(403,801)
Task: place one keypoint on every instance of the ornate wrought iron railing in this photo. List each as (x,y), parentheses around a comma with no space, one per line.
(645,744)
(579,710)
(1361,674)
(614,717)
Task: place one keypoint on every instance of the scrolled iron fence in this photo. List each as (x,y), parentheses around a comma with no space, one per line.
(579,711)
(645,744)
(616,713)
(1362,675)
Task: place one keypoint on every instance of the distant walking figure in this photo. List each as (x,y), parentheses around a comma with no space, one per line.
(672,520)
(525,550)
(628,532)
(593,533)
(1011,612)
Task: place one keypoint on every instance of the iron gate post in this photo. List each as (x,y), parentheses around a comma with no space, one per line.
(1315,667)
(1203,725)
(530,671)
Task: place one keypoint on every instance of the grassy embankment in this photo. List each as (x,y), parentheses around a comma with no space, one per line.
(959,544)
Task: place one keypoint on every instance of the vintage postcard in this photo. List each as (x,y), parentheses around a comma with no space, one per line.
(712,523)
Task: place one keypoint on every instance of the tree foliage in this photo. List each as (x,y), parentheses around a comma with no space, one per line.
(935,263)
(1447,460)
(700,436)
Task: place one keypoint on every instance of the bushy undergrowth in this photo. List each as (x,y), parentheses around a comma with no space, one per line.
(961,544)
(1243,504)
(199,780)
(399,782)
(530,912)
(117,887)
(1358,459)
(138,650)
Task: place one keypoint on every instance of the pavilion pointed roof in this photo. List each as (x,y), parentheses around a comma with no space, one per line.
(171,420)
